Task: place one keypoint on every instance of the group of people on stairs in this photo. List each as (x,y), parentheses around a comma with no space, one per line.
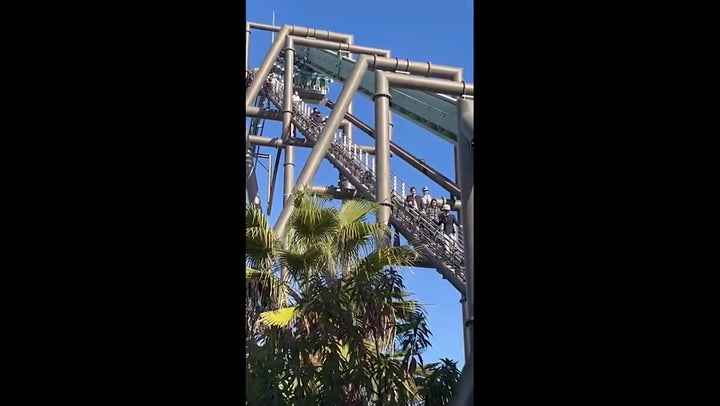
(433,218)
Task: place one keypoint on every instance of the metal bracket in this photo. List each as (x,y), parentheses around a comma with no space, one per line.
(469,321)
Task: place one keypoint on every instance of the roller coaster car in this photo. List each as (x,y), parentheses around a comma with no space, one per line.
(310,86)
(310,96)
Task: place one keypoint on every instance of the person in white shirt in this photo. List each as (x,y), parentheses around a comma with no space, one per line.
(425,197)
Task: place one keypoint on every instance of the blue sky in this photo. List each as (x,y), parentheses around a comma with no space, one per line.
(420,30)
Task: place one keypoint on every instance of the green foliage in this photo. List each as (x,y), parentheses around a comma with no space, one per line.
(352,335)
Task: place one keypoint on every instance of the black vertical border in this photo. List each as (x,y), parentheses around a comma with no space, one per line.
(125,208)
(593,255)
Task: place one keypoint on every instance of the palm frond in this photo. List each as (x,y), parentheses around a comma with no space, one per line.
(279,317)
(311,221)
(356,211)
(386,256)
(357,240)
(260,239)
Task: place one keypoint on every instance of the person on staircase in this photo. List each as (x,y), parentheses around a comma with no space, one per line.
(417,200)
(448,222)
(316,116)
(432,215)
(426,197)
(415,207)
(296,99)
(412,213)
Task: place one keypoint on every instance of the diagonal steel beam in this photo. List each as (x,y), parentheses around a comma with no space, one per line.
(264,69)
(324,140)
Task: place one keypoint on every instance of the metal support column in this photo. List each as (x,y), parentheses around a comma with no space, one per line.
(247,48)
(467,197)
(287,114)
(251,185)
(456,159)
(324,139)
(382,146)
(467,340)
(467,343)
(391,127)
(464,392)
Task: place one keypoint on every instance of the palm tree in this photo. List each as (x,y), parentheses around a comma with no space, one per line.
(340,329)
(436,382)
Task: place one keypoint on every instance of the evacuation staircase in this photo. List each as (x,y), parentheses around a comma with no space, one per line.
(359,168)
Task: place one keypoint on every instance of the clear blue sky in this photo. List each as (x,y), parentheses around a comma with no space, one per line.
(420,30)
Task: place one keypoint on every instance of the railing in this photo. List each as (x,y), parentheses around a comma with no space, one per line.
(423,229)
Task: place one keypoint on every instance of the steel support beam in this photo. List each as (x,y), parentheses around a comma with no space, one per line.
(287,114)
(430,85)
(288,172)
(349,131)
(339,46)
(247,47)
(467,197)
(306,32)
(382,147)
(456,160)
(253,111)
(251,185)
(467,344)
(266,65)
(324,139)
(417,68)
